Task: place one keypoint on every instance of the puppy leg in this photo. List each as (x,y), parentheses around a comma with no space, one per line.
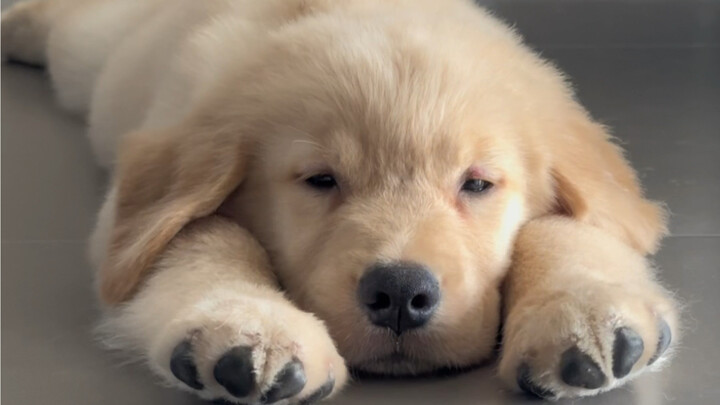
(583,312)
(212,321)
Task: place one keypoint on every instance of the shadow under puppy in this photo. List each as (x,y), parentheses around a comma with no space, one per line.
(303,186)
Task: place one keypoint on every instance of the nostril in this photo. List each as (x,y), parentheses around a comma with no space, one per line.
(380,302)
(419,302)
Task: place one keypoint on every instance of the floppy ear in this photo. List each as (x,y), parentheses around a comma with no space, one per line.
(164,180)
(595,184)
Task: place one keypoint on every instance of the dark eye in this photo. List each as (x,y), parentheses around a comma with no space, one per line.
(476,185)
(321,181)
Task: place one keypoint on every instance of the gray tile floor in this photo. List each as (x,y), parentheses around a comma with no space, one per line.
(648,68)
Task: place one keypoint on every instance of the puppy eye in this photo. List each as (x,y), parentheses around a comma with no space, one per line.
(476,185)
(321,181)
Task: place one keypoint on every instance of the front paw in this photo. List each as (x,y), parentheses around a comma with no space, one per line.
(250,351)
(560,343)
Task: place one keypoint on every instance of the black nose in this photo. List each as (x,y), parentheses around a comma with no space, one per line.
(399,296)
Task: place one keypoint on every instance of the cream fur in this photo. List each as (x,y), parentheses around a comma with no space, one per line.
(211,115)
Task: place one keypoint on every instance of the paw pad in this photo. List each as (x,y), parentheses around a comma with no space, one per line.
(577,369)
(526,384)
(627,349)
(234,371)
(663,341)
(320,393)
(183,366)
(289,382)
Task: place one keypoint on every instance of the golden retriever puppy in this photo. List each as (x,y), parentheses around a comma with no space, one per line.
(306,186)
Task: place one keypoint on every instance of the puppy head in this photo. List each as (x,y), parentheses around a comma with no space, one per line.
(387,186)
(386,168)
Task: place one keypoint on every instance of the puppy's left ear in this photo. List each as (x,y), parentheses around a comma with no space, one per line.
(595,184)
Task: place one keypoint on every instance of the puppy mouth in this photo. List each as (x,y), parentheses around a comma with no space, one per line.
(392,355)
(400,365)
(409,355)
(402,359)
(397,363)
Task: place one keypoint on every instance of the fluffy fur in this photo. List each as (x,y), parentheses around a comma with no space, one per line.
(211,115)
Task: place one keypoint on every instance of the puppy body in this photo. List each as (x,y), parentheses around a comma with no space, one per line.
(214,114)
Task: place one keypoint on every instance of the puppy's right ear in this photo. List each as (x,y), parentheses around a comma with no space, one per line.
(164,180)
(595,184)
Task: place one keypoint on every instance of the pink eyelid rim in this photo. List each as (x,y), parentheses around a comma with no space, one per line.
(480,173)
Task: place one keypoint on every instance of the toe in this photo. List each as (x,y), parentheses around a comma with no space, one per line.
(577,369)
(234,371)
(627,349)
(526,384)
(663,341)
(289,382)
(182,365)
(321,392)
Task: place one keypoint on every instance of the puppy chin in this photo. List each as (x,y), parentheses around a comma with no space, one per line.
(402,367)
(409,355)
(396,365)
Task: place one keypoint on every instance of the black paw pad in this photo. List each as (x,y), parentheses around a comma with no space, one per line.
(183,366)
(663,341)
(577,369)
(627,349)
(528,386)
(321,392)
(289,381)
(234,371)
